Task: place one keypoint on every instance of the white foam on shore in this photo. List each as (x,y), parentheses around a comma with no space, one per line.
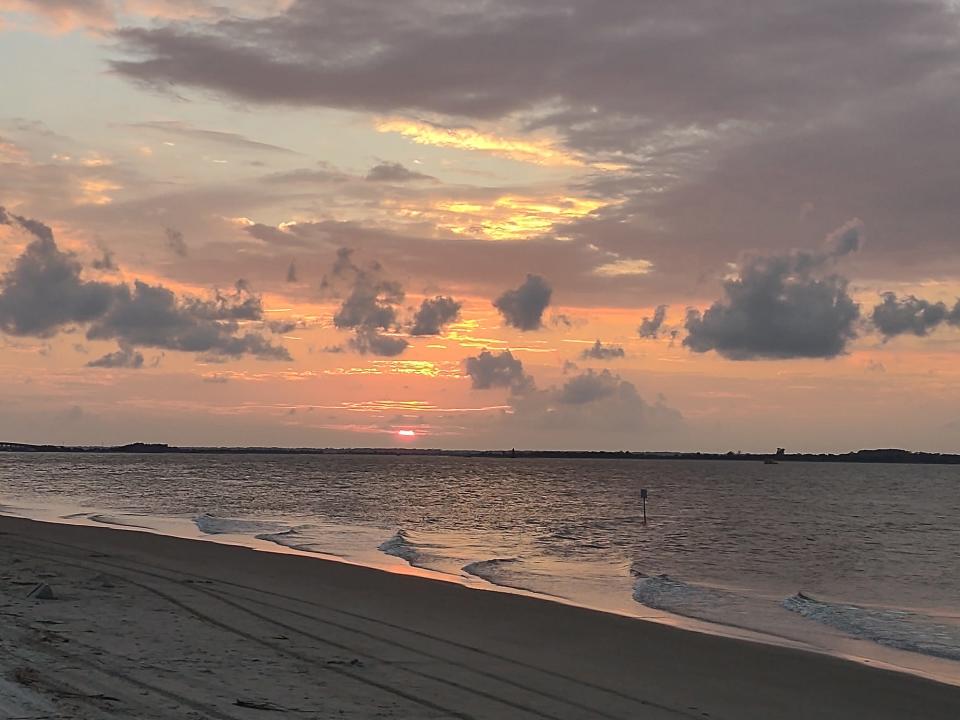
(400,546)
(365,546)
(213,525)
(899,629)
(128,521)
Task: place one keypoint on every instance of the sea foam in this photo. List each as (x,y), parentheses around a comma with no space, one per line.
(899,629)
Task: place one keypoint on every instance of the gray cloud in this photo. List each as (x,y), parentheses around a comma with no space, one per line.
(153,316)
(768,121)
(175,242)
(105,262)
(523,307)
(124,357)
(369,340)
(599,351)
(394,172)
(487,371)
(592,401)
(215,379)
(44,291)
(292,272)
(587,387)
(912,315)
(176,128)
(370,306)
(627,62)
(308,176)
(433,314)
(781,307)
(650,327)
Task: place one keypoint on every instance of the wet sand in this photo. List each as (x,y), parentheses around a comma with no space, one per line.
(146,626)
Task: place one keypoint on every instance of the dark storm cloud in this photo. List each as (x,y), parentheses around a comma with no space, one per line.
(153,316)
(394,172)
(780,307)
(487,371)
(43,292)
(433,314)
(370,305)
(912,315)
(523,307)
(175,242)
(125,357)
(599,351)
(767,119)
(650,326)
(604,63)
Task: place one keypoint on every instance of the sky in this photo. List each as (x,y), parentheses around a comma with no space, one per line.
(582,224)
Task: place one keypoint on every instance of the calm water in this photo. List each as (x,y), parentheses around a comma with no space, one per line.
(853,559)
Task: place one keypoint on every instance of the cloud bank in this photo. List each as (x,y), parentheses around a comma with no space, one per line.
(911,315)
(44,292)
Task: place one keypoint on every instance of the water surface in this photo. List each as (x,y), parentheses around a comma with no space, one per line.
(858,560)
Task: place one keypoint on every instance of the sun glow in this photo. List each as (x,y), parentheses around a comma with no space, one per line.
(406,433)
(539,151)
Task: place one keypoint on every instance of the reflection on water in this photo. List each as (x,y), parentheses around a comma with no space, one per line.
(726,542)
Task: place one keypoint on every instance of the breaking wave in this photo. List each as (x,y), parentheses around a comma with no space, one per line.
(899,629)
(213,525)
(401,546)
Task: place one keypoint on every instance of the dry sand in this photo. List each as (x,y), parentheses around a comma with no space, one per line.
(143,626)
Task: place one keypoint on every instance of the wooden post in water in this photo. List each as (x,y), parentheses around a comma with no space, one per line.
(643,496)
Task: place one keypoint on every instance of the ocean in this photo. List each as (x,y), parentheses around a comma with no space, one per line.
(854,560)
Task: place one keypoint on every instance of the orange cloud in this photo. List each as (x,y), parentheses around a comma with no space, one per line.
(509,217)
(539,151)
(94,191)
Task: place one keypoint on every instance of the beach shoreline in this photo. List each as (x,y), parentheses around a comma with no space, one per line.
(143,613)
(370,553)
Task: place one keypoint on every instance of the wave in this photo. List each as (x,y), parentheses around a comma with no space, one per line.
(442,558)
(290,538)
(493,570)
(899,629)
(515,573)
(213,525)
(663,592)
(401,546)
(722,607)
(113,520)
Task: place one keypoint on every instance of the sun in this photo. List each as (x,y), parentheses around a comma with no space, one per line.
(406,433)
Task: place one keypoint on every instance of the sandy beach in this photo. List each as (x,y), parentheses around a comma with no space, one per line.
(145,626)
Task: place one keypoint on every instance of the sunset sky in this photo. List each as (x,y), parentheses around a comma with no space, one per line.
(583,224)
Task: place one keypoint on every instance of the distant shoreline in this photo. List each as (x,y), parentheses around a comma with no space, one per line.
(890,455)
